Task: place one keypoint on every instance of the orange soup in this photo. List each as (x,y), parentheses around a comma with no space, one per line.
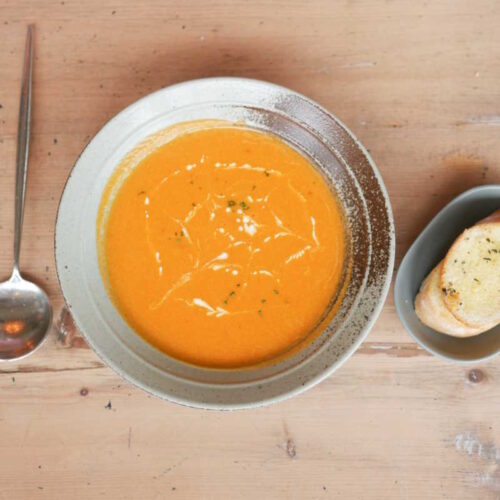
(223,247)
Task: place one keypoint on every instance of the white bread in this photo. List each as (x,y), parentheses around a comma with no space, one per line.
(470,275)
(431,310)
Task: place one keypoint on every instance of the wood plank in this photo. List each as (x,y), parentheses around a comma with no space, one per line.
(382,427)
(417,82)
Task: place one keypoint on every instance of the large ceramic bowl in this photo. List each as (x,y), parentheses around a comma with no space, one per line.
(308,127)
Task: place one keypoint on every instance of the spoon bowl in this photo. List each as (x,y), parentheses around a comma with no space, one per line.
(25,317)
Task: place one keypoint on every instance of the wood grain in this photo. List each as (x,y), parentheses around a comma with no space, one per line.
(417,82)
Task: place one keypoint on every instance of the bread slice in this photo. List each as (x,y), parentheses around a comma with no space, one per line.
(470,275)
(431,310)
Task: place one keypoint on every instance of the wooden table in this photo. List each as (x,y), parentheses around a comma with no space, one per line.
(418,83)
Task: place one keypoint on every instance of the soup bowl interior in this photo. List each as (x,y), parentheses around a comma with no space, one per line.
(343,162)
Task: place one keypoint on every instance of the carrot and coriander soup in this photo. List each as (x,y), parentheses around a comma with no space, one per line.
(224,247)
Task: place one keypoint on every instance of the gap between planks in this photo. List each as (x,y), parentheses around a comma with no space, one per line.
(392,349)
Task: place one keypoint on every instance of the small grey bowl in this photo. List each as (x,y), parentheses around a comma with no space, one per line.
(427,250)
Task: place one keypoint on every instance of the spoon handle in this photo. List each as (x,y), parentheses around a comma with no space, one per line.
(23,138)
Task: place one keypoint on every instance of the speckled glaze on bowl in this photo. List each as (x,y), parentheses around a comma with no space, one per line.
(317,134)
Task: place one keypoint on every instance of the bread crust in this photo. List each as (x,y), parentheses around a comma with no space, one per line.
(494,217)
(431,310)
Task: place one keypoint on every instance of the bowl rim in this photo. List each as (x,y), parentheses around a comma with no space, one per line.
(385,281)
(397,282)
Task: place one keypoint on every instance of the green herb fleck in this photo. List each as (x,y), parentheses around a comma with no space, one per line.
(243,204)
(254,187)
(486,258)
(225,302)
(488,240)
(259,312)
(276,292)
(232,293)
(194,204)
(231,203)
(267,173)
(263,301)
(475,279)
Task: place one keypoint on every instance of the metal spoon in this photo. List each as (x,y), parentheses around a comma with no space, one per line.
(25,311)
